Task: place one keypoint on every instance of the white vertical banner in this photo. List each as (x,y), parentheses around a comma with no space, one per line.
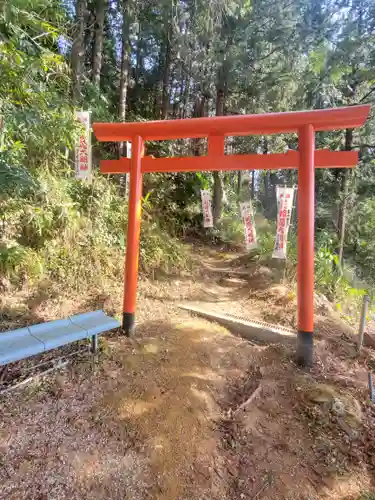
(249,225)
(285,197)
(83,148)
(208,220)
(128,155)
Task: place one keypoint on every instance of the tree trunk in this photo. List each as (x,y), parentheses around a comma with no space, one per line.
(217,198)
(239,181)
(166,73)
(344,189)
(266,179)
(78,50)
(97,53)
(139,57)
(199,111)
(181,95)
(266,188)
(187,91)
(218,185)
(138,72)
(253,184)
(125,62)
(124,80)
(158,86)
(342,214)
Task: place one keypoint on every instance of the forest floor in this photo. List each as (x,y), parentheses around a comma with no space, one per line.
(160,417)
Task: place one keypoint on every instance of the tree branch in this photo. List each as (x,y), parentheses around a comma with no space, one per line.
(368,94)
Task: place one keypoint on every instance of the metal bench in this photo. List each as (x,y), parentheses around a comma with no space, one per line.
(24,342)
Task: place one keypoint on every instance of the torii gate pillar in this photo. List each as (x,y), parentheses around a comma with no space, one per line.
(305,250)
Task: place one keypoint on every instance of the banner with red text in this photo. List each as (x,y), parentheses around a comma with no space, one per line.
(128,155)
(285,197)
(83,148)
(249,225)
(207,208)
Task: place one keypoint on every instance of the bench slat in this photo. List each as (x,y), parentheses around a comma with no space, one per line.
(57,333)
(18,344)
(95,322)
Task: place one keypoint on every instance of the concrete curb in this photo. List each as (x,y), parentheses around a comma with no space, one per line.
(248,329)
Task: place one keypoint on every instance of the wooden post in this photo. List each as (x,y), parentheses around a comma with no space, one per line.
(363,321)
(305,265)
(132,243)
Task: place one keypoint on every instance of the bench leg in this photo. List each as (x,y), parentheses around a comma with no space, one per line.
(94,344)
(94,349)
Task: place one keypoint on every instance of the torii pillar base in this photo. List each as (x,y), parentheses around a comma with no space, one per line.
(128,323)
(304,352)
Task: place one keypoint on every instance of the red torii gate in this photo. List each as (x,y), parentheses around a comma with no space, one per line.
(305,123)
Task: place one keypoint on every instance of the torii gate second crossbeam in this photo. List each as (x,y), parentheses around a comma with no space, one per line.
(305,123)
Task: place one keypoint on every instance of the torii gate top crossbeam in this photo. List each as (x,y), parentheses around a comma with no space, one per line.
(270,123)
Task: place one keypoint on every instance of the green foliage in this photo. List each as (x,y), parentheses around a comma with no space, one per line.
(52,225)
(367,496)
(335,283)
(18,262)
(230,228)
(266,243)
(328,273)
(14,180)
(360,236)
(160,251)
(74,233)
(38,120)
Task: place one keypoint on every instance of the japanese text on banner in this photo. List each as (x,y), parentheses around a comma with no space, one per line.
(249,225)
(83,148)
(207,208)
(285,197)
